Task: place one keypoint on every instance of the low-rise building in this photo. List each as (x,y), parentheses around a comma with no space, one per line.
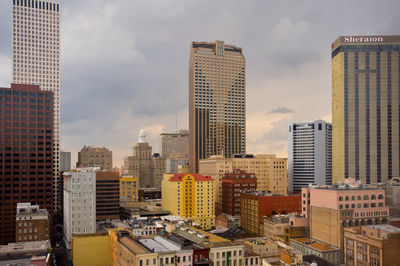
(286,226)
(224,220)
(309,246)
(32,223)
(147,194)
(330,209)
(255,205)
(91,249)
(372,245)
(26,253)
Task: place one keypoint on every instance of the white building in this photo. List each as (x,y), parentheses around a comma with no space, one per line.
(309,154)
(36,58)
(79,202)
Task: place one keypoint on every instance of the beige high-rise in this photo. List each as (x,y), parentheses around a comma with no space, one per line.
(144,165)
(366,108)
(36,58)
(270,171)
(217,107)
(175,143)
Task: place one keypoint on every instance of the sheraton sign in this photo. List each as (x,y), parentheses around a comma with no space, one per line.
(362,39)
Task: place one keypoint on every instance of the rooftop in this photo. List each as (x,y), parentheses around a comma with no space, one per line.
(133,246)
(318,245)
(159,244)
(197,177)
(22,247)
(385,227)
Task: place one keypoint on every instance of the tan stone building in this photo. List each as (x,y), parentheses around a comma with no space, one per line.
(365,108)
(32,223)
(175,143)
(217,106)
(148,167)
(372,245)
(270,171)
(91,156)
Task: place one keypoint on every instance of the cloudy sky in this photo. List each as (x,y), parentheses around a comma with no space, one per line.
(125,63)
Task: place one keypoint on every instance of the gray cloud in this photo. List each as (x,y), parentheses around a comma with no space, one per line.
(125,63)
(281,110)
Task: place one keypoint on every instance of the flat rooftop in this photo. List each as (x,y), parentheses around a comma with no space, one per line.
(385,227)
(318,245)
(159,244)
(134,246)
(21,247)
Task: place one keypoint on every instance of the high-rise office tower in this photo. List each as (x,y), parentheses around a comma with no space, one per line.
(366,108)
(26,144)
(309,154)
(175,143)
(36,58)
(217,107)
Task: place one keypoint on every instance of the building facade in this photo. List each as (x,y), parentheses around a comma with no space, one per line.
(175,143)
(190,196)
(309,154)
(365,108)
(91,156)
(270,171)
(107,195)
(372,245)
(79,202)
(65,161)
(332,208)
(217,106)
(255,205)
(309,246)
(41,65)
(232,185)
(26,144)
(33,223)
(143,164)
(128,191)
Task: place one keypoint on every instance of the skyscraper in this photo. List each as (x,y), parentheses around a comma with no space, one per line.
(366,108)
(217,108)
(36,58)
(309,154)
(175,143)
(91,156)
(26,143)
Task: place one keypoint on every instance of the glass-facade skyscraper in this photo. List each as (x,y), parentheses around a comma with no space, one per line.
(217,107)
(366,108)
(36,59)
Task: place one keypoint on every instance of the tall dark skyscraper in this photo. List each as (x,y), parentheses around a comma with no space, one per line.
(366,108)
(36,59)
(217,106)
(26,151)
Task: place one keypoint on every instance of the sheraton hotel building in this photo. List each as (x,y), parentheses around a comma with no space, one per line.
(366,108)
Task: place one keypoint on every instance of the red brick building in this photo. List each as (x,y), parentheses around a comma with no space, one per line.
(255,205)
(232,185)
(26,153)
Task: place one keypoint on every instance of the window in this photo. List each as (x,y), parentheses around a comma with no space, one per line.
(340,198)
(380,196)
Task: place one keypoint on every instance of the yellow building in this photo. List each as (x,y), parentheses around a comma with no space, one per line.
(270,171)
(91,249)
(128,191)
(190,196)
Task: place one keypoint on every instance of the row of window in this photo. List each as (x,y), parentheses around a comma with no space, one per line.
(365,197)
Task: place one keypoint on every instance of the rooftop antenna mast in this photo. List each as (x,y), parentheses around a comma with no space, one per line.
(176,122)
